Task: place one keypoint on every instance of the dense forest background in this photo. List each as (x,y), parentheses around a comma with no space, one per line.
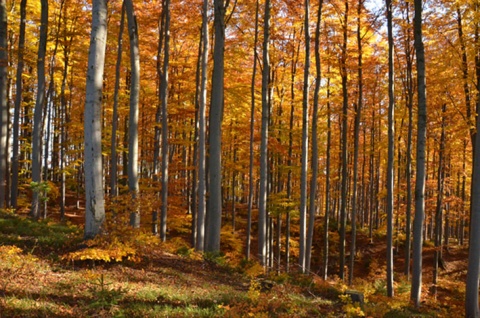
(272,131)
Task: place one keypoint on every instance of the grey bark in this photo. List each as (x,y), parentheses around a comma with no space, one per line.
(344,154)
(214,213)
(356,139)
(132,166)
(38,111)
(113,138)
(305,143)
(200,238)
(94,201)
(326,221)
(252,131)
(314,162)
(416,289)
(18,103)
(391,151)
(164,108)
(262,200)
(408,172)
(3,101)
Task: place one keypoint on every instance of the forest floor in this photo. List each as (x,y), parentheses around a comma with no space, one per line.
(38,279)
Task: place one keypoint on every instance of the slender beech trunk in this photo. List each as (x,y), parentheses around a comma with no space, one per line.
(164,102)
(439,207)
(416,289)
(326,221)
(344,154)
(408,172)
(38,113)
(3,101)
(356,141)
(262,202)
(94,203)
(391,151)
(64,118)
(200,242)
(305,142)
(473,271)
(252,131)
(314,162)
(113,140)
(132,168)
(17,107)
(214,213)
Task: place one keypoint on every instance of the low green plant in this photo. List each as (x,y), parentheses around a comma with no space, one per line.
(103,295)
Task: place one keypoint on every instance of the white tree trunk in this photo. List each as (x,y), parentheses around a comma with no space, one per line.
(94,204)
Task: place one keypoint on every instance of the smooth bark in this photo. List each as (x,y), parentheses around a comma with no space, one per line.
(38,113)
(416,289)
(18,103)
(305,142)
(3,102)
(262,200)
(391,151)
(94,196)
(214,213)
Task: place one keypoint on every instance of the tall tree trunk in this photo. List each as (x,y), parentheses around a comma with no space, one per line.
(18,104)
(262,201)
(416,289)
(326,221)
(314,162)
(113,140)
(214,214)
(38,113)
(473,271)
(132,168)
(94,201)
(344,154)
(305,142)
(408,172)
(391,151)
(3,101)
(164,102)
(356,141)
(200,243)
(439,207)
(252,131)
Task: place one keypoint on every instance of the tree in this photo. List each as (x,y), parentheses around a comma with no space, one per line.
(164,101)
(314,162)
(133,115)
(94,199)
(113,138)
(3,101)
(214,214)
(305,143)
(473,272)
(416,289)
(252,131)
(344,185)
(200,237)
(391,151)
(262,200)
(18,102)
(38,113)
